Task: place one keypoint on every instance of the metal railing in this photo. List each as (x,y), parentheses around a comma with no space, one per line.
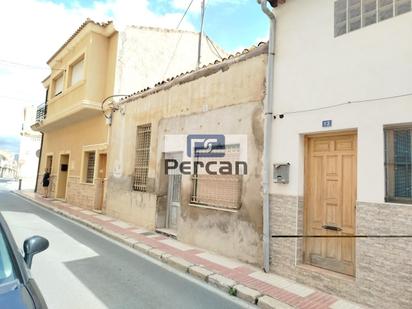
(41,112)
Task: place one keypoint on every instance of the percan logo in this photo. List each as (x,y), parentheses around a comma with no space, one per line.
(205,145)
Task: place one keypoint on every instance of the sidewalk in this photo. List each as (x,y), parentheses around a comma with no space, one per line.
(238,279)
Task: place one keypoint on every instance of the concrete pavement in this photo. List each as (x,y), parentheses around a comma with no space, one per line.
(230,276)
(83,269)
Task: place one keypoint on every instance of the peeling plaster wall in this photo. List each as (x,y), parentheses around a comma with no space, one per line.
(235,234)
(232,92)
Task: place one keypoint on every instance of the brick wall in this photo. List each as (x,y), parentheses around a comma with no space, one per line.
(383,265)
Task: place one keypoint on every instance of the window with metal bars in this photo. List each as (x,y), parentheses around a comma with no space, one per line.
(91,158)
(220,191)
(398,164)
(142,157)
(352,15)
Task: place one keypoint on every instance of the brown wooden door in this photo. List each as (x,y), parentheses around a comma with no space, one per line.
(330,201)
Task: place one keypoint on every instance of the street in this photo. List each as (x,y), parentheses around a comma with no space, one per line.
(82,269)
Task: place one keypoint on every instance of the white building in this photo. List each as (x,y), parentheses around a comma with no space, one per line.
(29,149)
(343,108)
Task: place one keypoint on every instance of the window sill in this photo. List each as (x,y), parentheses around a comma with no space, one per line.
(87,183)
(213,207)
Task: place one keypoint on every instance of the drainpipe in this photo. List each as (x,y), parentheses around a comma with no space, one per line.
(268,135)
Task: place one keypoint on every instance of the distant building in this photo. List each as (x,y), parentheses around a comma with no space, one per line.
(8,165)
(29,150)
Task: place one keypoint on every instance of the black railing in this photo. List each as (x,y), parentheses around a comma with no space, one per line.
(41,112)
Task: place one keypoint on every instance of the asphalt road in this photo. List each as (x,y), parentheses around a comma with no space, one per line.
(82,269)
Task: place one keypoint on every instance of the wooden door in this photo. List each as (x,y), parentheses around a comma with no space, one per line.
(330,201)
(101,181)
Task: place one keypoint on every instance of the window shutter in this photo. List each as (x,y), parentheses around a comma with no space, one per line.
(58,85)
(77,72)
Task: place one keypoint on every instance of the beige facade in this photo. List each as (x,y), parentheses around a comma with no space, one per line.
(224,98)
(96,62)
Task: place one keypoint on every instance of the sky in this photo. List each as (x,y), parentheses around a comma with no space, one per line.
(32,30)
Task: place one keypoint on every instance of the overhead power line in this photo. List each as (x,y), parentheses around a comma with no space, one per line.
(343,103)
(31,66)
(178,41)
(184,14)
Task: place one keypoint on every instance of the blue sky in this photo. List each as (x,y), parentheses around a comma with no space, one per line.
(232,24)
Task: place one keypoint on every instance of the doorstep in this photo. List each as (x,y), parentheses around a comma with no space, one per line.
(231,276)
(168,232)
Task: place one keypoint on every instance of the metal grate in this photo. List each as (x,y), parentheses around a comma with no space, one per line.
(398,164)
(222,191)
(91,158)
(41,112)
(142,157)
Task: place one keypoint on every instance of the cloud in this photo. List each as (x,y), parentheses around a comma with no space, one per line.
(32,30)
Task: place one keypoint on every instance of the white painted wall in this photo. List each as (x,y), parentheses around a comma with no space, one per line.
(29,145)
(144,55)
(314,69)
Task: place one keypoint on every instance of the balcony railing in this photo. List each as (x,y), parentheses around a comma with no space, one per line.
(41,112)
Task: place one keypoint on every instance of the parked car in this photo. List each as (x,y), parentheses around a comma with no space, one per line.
(18,290)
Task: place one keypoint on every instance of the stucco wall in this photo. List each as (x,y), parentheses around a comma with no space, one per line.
(72,140)
(316,70)
(235,234)
(148,55)
(236,83)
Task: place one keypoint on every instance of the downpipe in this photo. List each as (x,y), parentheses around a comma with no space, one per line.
(268,110)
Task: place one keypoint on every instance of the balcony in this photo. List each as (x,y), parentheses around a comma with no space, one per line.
(64,109)
(41,112)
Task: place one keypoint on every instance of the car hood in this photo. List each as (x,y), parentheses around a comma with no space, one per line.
(15,296)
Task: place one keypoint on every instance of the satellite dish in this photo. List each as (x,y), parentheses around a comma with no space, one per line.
(38,153)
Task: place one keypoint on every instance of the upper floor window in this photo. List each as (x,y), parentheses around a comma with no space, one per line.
(398,164)
(76,71)
(351,15)
(58,85)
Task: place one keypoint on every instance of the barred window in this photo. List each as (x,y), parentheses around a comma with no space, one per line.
(221,191)
(142,157)
(398,162)
(90,160)
(351,15)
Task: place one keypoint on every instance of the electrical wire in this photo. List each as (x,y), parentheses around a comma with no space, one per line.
(178,41)
(342,104)
(28,65)
(184,15)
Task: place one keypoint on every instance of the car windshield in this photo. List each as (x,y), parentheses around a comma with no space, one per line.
(7,273)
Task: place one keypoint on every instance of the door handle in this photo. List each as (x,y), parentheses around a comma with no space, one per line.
(331,227)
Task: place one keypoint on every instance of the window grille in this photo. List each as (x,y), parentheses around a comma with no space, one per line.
(222,191)
(398,164)
(142,157)
(91,157)
(351,15)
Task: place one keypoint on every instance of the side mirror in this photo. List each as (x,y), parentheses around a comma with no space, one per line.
(32,246)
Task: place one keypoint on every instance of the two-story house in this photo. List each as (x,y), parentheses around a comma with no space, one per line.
(342,114)
(97,62)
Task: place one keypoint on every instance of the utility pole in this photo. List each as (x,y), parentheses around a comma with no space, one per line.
(202,19)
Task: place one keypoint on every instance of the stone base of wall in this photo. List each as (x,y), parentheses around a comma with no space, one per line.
(80,194)
(383,265)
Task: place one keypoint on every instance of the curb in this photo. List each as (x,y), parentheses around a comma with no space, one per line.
(198,272)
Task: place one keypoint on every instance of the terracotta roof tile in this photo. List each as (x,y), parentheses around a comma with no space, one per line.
(217,62)
(82,26)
